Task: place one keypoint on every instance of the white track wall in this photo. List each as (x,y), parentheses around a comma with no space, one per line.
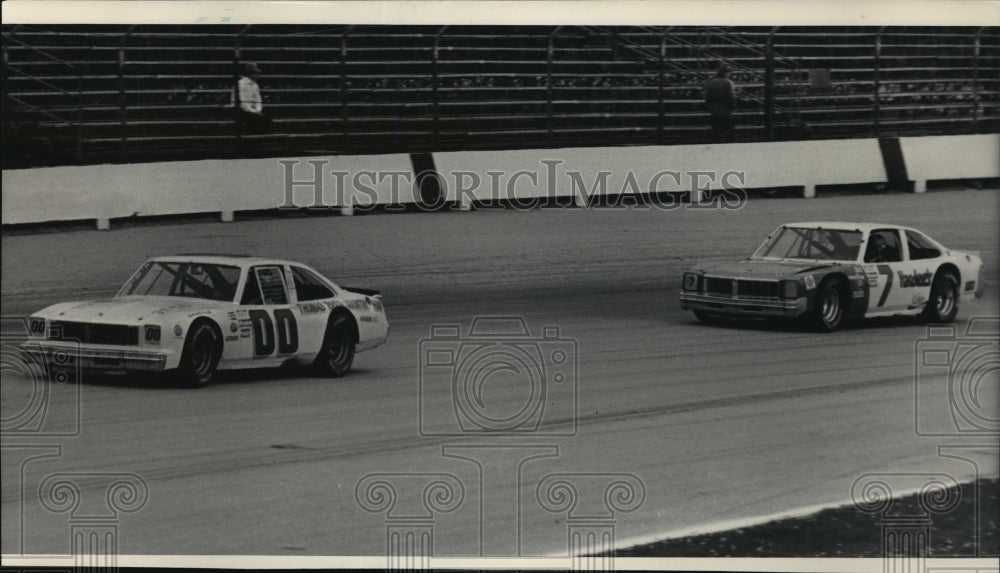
(106,192)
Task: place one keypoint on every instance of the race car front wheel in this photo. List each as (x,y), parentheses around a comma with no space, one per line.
(201,354)
(943,304)
(337,354)
(707,318)
(829,307)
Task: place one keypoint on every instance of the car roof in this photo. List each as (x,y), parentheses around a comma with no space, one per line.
(846,225)
(242,261)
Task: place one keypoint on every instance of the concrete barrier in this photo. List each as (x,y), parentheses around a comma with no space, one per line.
(587,172)
(350,183)
(106,192)
(951,157)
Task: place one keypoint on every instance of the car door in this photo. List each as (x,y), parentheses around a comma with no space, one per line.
(314,301)
(274,324)
(883,259)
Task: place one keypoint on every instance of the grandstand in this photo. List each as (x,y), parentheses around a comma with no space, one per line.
(90,94)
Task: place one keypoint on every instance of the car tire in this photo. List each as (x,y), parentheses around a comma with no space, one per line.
(942,306)
(201,354)
(337,353)
(829,307)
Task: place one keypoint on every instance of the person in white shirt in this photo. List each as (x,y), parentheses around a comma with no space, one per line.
(250,109)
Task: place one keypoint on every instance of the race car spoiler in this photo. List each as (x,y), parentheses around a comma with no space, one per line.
(363,291)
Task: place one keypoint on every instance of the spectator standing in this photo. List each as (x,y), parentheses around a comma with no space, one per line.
(720,99)
(249,105)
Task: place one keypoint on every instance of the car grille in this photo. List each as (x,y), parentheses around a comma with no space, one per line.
(86,333)
(757,289)
(760,290)
(719,286)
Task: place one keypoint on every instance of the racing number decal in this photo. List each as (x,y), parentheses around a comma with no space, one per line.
(263,342)
(264,329)
(885,270)
(288,331)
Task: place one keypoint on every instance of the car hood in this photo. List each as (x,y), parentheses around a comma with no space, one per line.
(756,268)
(128,309)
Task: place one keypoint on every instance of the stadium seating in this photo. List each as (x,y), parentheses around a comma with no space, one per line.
(87,94)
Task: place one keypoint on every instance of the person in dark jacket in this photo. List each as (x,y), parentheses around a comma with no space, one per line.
(720,99)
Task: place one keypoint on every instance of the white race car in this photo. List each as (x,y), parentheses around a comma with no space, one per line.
(826,271)
(196,314)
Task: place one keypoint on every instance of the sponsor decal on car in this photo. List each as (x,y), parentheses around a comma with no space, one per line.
(919,299)
(871,271)
(312,307)
(232,338)
(810,282)
(915,279)
(368,318)
(357,305)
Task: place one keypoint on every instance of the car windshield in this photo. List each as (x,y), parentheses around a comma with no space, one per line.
(184,279)
(811,243)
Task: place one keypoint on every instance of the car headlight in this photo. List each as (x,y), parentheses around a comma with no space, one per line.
(690,281)
(152,334)
(790,289)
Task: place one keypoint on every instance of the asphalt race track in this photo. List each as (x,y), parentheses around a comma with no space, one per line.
(705,424)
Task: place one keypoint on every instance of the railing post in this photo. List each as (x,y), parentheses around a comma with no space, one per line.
(345,116)
(436,121)
(975,81)
(235,81)
(877,83)
(548,84)
(122,98)
(8,111)
(769,86)
(660,87)
(79,118)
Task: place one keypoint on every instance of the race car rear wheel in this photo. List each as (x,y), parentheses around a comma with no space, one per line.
(337,354)
(829,307)
(201,354)
(943,304)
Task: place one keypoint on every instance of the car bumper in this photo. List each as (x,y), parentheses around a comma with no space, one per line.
(68,355)
(744,307)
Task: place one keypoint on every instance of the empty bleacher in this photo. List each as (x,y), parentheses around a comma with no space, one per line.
(85,94)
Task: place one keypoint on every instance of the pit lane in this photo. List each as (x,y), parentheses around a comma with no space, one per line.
(717,423)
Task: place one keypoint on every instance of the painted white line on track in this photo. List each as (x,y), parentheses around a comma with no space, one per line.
(745,564)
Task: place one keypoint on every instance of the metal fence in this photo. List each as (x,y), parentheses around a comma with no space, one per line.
(82,94)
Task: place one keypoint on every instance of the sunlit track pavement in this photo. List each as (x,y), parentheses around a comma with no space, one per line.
(719,422)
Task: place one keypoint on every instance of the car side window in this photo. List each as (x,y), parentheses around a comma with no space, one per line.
(883,247)
(265,285)
(309,286)
(920,247)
